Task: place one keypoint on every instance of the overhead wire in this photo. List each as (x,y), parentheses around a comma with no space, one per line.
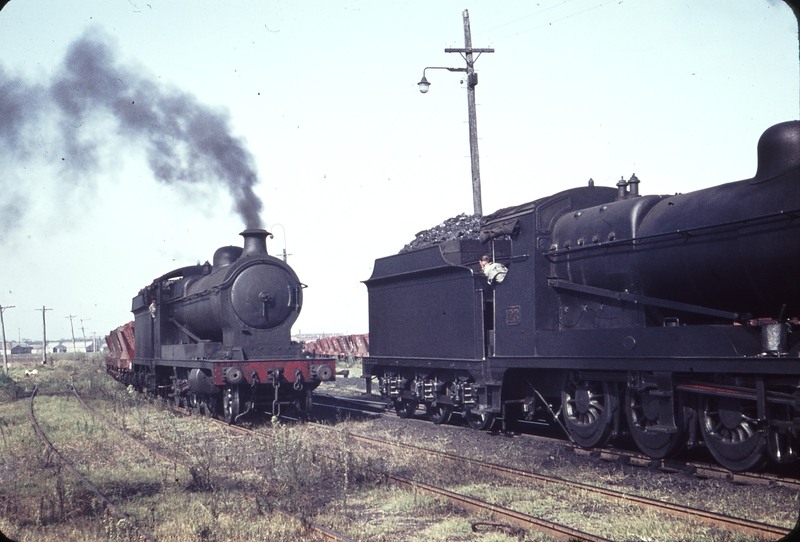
(550,23)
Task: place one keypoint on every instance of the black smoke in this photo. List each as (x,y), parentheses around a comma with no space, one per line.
(186,143)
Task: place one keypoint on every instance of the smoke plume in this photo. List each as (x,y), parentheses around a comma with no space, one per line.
(186,143)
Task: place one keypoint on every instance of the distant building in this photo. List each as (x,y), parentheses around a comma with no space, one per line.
(20,348)
(65,346)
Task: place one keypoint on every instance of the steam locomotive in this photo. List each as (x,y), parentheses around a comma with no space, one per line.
(673,319)
(217,337)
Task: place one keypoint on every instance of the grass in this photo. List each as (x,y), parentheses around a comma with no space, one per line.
(232,486)
(41,501)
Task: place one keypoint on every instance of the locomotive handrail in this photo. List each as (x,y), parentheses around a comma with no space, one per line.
(227,283)
(794,213)
(187,271)
(183,328)
(644,300)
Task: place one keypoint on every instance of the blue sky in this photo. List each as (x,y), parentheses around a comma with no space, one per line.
(349,158)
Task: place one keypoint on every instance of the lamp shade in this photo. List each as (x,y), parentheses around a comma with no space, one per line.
(424,85)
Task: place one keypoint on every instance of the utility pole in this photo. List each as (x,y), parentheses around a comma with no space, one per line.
(3,326)
(472,81)
(71,316)
(84,334)
(44,334)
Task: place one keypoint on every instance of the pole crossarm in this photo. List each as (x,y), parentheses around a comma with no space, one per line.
(466,54)
(470,50)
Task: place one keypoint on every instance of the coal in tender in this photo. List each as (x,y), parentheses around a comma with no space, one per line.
(463,226)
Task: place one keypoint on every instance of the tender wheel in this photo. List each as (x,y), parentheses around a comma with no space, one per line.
(440,413)
(730,431)
(405,408)
(588,408)
(644,413)
(230,404)
(480,421)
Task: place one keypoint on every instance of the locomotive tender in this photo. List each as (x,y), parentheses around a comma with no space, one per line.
(671,318)
(218,337)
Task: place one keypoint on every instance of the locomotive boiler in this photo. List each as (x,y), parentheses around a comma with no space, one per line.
(672,319)
(218,336)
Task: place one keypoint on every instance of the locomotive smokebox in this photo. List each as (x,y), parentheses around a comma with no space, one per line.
(255,242)
(248,300)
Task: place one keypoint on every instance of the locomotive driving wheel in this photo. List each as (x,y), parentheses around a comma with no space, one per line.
(588,407)
(653,435)
(730,430)
(230,403)
(480,421)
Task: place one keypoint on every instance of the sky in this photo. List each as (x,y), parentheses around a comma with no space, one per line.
(305,117)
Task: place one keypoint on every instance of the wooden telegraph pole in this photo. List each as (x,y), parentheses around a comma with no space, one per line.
(44,334)
(3,326)
(83,331)
(72,328)
(472,81)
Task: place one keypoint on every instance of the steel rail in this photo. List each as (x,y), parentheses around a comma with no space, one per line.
(119,431)
(698,470)
(119,514)
(556,530)
(713,518)
(325,533)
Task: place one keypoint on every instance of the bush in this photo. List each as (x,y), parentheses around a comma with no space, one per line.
(8,387)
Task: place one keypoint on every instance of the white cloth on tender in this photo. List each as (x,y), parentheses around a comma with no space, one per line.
(495,272)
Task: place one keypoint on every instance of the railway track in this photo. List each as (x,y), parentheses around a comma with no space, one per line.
(470,504)
(510,517)
(114,510)
(711,518)
(322,532)
(697,469)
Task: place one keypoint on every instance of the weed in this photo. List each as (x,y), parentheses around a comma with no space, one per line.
(8,387)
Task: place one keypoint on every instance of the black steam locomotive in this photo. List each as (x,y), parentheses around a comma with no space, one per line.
(218,337)
(671,318)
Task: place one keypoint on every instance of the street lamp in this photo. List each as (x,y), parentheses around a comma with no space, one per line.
(285,255)
(472,80)
(424,85)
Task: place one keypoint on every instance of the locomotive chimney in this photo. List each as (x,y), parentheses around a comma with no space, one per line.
(255,242)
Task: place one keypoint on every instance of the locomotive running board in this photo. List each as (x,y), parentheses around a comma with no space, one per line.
(560,284)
